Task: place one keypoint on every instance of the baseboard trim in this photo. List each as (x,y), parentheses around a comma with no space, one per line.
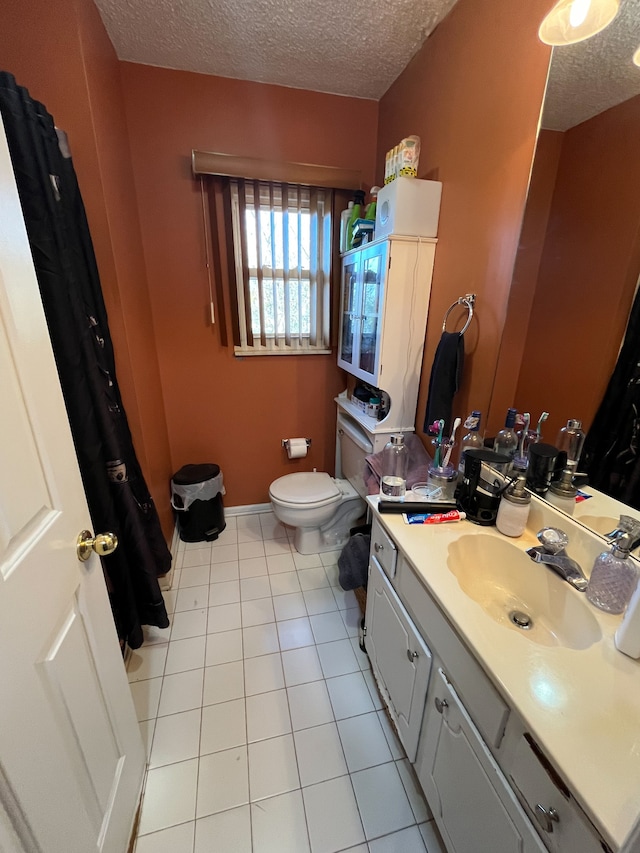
(248,509)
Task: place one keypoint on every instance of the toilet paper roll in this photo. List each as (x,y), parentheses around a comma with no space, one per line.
(296,448)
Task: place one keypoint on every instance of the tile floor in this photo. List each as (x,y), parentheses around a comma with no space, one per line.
(264,729)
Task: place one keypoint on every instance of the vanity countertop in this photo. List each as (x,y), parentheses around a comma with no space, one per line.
(581,705)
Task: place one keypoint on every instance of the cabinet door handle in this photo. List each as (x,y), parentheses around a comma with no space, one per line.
(546,817)
(377,547)
(411,655)
(440,704)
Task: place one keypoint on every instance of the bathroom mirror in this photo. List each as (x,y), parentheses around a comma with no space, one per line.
(578,260)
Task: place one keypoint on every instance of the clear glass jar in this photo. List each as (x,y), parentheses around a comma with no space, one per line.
(612,582)
(395,459)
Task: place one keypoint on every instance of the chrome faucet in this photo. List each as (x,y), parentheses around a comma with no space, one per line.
(551,552)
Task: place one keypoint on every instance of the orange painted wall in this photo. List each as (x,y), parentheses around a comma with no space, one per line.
(220,408)
(589,269)
(473,94)
(60,51)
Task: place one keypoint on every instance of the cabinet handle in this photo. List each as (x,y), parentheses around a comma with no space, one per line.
(546,817)
(411,655)
(377,547)
(440,704)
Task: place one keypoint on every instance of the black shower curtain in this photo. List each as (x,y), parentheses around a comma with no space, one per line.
(611,454)
(58,232)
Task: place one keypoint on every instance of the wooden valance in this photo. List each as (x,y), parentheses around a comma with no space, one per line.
(307,174)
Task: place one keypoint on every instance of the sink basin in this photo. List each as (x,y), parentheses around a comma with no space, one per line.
(524,596)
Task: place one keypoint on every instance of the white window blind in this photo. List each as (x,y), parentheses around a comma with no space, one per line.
(282,244)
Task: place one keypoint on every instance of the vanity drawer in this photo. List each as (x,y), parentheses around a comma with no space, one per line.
(383,549)
(560,820)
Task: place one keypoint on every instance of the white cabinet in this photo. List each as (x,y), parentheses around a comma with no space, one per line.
(474,807)
(400,660)
(383,313)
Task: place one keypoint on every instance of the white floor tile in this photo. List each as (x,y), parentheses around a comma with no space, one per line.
(382,801)
(147,728)
(364,742)
(260,640)
(284,583)
(306,561)
(258,587)
(431,837)
(361,657)
(249,524)
(372,687)
(224,592)
(406,841)
(327,627)
(295,633)
(223,781)
(146,697)
(224,572)
(181,692)
(170,596)
(196,576)
(310,705)
(192,598)
(419,805)
(147,662)
(170,796)
(185,654)
(224,554)
(301,666)
(279,825)
(345,598)
(349,695)
(176,839)
(189,623)
(273,547)
(333,576)
(352,618)
(263,674)
(253,568)
(247,534)
(196,557)
(223,648)
(332,816)
(337,658)
(330,558)
(176,738)
(273,768)
(249,550)
(229,535)
(313,579)
(224,617)
(280,563)
(320,600)
(154,635)
(271,527)
(267,715)
(258,611)
(223,682)
(290,606)
(393,742)
(320,755)
(224,832)
(223,726)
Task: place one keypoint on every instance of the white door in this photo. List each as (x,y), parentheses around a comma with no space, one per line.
(71,755)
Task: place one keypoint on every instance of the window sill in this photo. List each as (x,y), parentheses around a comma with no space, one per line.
(239,352)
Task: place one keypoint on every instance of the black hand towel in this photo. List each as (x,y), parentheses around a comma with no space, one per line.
(446,375)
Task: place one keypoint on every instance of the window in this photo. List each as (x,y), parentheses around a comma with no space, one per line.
(282,245)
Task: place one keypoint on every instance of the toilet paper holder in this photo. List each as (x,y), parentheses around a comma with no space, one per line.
(285,442)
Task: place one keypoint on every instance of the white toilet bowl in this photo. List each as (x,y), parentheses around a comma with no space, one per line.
(321,508)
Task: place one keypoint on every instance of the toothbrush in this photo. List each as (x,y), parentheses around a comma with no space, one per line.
(524,433)
(447,457)
(543,418)
(436,458)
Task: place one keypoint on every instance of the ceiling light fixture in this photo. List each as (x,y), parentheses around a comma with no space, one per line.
(571,21)
(636,57)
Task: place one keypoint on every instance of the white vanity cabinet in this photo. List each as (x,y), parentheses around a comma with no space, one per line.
(383,314)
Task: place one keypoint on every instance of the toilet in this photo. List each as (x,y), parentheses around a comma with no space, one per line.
(320,507)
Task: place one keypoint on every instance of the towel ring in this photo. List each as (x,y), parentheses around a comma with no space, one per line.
(468,301)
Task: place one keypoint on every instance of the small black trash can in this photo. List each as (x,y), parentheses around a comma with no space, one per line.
(196,496)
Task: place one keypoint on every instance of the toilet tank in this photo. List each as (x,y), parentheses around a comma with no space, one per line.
(353,444)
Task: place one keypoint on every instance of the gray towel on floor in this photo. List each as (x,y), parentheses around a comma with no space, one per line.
(353,562)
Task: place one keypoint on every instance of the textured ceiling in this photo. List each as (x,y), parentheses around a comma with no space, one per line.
(596,74)
(353,48)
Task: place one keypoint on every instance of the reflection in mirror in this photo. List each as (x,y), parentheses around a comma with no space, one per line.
(579,256)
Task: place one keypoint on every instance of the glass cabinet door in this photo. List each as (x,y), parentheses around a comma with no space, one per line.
(350,315)
(373,270)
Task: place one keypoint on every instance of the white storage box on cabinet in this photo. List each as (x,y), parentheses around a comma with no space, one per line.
(400,660)
(384,302)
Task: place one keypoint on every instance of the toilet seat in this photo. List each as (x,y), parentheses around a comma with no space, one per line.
(305,488)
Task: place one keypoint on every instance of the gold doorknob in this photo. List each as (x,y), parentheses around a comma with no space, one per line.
(102,544)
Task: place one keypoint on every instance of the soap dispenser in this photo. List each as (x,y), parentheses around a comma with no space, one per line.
(513,511)
(614,576)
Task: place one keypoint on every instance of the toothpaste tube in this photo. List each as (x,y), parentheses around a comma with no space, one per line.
(434,517)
